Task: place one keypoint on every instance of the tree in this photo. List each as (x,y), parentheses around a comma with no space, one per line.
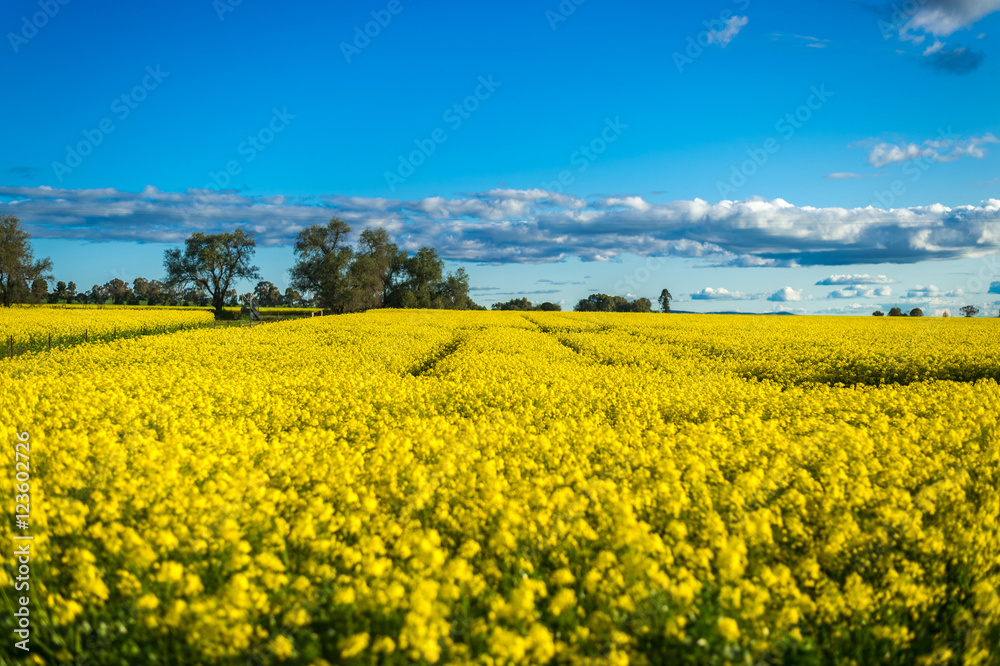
(896,312)
(140,287)
(267,294)
(291,298)
(664,300)
(378,264)
(18,268)
(452,293)
(945,314)
(39,290)
(969,310)
(70,292)
(98,294)
(916,312)
(323,258)
(606,303)
(878,313)
(550,307)
(118,291)
(213,262)
(518,304)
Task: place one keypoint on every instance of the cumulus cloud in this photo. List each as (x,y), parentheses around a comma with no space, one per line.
(728,33)
(859,291)
(856,278)
(721,294)
(914,22)
(786,294)
(533,226)
(943,18)
(931,291)
(945,149)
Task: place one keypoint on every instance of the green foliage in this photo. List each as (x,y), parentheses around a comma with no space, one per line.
(664,300)
(524,305)
(212,262)
(606,303)
(376,274)
(22,278)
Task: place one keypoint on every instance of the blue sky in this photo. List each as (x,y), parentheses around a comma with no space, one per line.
(736,152)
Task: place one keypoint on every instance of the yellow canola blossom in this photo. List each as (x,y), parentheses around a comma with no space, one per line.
(31,327)
(496,488)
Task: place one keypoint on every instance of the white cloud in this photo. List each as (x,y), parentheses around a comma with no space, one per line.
(721,294)
(856,278)
(727,34)
(934,48)
(858,291)
(942,18)
(532,226)
(786,294)
(931,291)
(946,149)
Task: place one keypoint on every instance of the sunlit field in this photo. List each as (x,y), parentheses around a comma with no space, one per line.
(405,487)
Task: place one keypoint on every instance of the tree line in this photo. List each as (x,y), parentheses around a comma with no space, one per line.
(967,310)
(328,273)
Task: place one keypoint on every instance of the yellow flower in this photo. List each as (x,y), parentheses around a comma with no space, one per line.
(353,645)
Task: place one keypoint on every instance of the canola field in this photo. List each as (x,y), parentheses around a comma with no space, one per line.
(25,329)
(414,487)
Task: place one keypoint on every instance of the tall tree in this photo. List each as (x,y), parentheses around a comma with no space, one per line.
(18,268)
(664,300)
(140,287)
(323,259)
(291,298)
(118,291)
(213,262)
(267,294)
(375,268)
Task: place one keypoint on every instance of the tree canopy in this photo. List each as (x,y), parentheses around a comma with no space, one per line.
(212,262)
(22,278)
(606,303)
(374,274)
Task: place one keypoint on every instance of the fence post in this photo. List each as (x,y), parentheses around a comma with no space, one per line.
(86,335)
(50,340)
(12,346)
